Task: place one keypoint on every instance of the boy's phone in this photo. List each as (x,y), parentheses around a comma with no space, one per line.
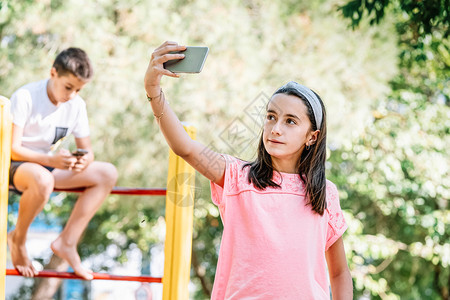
(192,62)
(80,152)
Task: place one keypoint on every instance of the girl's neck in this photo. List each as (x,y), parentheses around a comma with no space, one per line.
(284,166)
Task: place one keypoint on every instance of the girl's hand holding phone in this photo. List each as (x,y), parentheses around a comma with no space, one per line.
(177,138)
(155,69)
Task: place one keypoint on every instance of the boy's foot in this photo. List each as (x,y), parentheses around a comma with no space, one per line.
(70,254)
(19,257)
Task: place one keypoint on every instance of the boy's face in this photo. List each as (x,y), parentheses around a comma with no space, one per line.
(62,88)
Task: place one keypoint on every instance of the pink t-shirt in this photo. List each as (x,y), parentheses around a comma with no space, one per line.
(273,245)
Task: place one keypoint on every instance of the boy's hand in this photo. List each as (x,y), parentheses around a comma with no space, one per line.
(64,160)
(156,69)
(81,163)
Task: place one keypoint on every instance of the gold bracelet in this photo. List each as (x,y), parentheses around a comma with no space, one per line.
(163,98)
(156,97)
(159,117)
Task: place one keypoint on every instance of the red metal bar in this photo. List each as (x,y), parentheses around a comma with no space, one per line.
(117,190)
(97,276)
(125,191)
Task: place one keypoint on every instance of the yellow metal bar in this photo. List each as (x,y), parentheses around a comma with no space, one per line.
(179,225)
(5,159)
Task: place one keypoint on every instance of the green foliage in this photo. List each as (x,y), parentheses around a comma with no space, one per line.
(206,239)
(397,171)
(422,16)
(355,10)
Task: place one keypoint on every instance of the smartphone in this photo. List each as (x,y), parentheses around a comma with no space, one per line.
(80,152)
(192,62)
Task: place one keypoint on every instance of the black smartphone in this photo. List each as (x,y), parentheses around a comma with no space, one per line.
(192,62)
(80,152)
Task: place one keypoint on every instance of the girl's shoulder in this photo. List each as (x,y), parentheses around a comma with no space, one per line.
(331,187)
(235,166)
(332,194)
(332,198)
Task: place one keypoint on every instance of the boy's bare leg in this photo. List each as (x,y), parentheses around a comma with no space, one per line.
(98,178)
(36,183)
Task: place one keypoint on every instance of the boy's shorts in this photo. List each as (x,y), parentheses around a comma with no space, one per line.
(13,168)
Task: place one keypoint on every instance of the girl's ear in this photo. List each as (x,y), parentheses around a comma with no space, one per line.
(313,137)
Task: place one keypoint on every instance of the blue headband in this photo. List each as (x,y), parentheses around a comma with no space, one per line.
(310,96)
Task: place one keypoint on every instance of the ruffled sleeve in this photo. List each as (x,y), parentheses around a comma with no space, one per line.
(230,180)
(336,221)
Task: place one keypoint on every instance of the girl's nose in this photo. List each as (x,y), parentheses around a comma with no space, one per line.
(276,130)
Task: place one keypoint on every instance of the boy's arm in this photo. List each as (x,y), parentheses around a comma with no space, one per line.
(340,278)
(61,160)
(24,154)
(205,161)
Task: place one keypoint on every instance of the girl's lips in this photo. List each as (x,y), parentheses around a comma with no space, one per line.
(275,142)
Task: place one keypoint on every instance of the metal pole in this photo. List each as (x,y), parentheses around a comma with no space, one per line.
(5,160)
(179,226)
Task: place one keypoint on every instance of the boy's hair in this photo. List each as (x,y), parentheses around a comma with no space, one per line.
(311,165)
(74,61)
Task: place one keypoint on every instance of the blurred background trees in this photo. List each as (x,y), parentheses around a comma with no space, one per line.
(396,172)
(385,84)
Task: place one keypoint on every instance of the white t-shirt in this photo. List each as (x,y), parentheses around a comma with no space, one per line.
(43,123)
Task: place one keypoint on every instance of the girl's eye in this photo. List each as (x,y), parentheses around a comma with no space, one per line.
(68,88)
(270,117)
(291,121)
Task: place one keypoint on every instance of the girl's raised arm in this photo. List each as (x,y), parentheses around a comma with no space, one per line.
(209,163)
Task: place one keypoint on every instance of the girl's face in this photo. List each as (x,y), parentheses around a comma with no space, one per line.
(287,131)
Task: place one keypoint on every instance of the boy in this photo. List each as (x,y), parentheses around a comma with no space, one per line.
(44,112)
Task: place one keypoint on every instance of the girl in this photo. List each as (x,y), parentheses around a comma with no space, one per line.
(282,219)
